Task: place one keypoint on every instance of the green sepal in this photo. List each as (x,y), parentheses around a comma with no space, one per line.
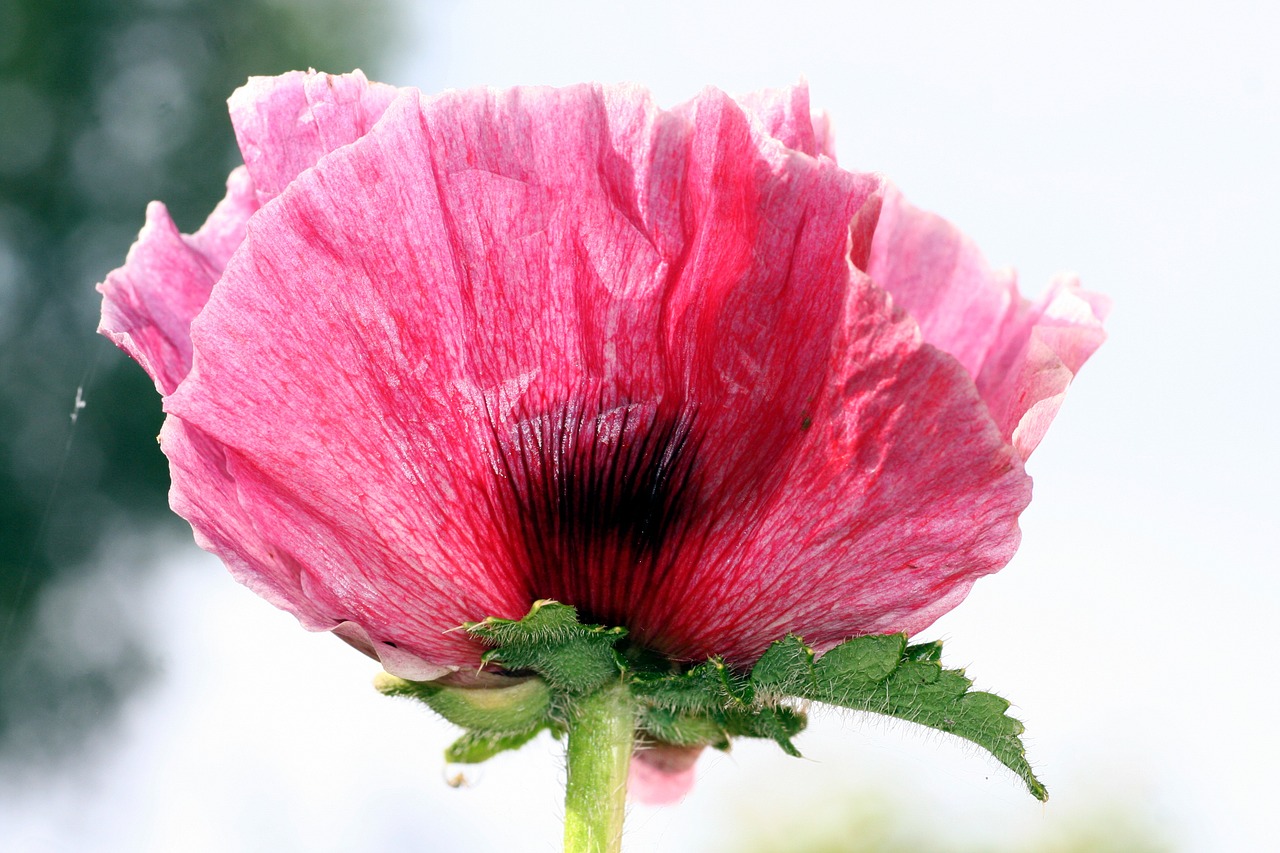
(519,708)
(474,747)
(550,641)
(883,675)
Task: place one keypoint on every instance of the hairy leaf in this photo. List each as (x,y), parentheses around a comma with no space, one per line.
(883,675)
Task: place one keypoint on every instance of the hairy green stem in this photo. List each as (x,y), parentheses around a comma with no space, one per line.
(601,735)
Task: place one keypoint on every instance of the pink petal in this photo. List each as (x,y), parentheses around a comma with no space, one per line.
(1040,349)
(940,277)
(473,262)
(893,491)
(223,232)
(1021,355)
(209,491)
(206,494)
(285,124)
(786,116)
(149,303)
(662,774)
(492,347)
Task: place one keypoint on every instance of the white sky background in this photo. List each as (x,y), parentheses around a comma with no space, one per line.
(1134,143)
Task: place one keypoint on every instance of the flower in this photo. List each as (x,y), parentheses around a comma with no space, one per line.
(435,358)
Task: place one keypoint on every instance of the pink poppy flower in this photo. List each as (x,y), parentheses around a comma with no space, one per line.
(435,358)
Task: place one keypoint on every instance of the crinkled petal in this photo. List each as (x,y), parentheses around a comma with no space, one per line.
(1021,355)
(285,124)
(412,315)
(149,303)
(760,289)
(1040,348)
(786,116)
(408,314)
(288,123)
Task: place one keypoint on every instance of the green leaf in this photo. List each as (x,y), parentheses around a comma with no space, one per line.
(883,675)
(778,723)
(710,703)
(549,640)
(785,668)
(860,662)
(708,686)
(473,747)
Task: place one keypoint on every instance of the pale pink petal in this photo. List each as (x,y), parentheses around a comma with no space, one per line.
(824,136)
(786,117)
(939,276)
(285,124)
(1022,355)
(205,493)
(213,490)
(661,774)
(223,232)
(1040,349)
(149,303)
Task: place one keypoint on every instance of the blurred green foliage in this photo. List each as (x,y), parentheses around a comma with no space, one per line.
(105,105)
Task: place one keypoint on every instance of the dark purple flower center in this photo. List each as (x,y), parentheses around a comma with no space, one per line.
(598,501)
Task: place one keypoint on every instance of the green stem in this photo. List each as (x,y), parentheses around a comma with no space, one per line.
(601,735)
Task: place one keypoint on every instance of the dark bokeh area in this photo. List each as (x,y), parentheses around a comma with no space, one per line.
(105,105)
